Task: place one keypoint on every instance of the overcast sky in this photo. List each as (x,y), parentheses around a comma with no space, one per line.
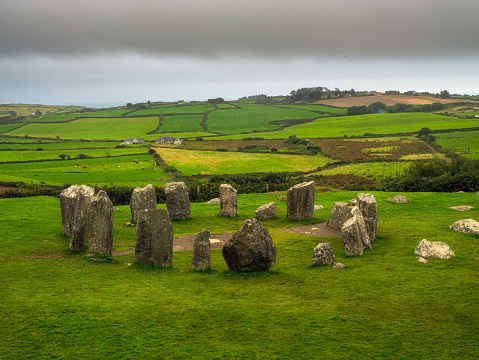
(115,51)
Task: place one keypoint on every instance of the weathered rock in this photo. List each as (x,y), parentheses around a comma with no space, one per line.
(338,265)
(466,226)
(354,235)
(215,201)
(366,203)
(282,197)
(129,224)
(323,255)
(201,252)
(228,201)
(318,207)
(300,201)
(421,259)
(100,224)
(461,207)
(340,213)
(68,199)
(154,238)
(434,249)
(177,200)
(80,223)
(266,211)
(399,199)
(250,249)
(142,199)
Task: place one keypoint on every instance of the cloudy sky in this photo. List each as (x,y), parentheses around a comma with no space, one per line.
(116,51)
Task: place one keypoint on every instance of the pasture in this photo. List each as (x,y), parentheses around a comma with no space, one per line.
(383,305)
(464,143)
(174,109)
(181,123)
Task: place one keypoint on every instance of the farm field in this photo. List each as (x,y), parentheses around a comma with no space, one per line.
(175,109)
(93,128)
(376,170)
(55,145)
(321,108)
(27,109)
(8,127)
(192,162)
(110,113)
(387,99)
(183,135)
(383,305)
(464,143)
(63,172)
(181,123)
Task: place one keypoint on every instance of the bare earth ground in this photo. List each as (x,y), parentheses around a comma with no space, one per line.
(3,188)
(387,99)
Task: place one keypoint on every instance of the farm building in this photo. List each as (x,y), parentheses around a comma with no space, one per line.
(168,140)
(134,141)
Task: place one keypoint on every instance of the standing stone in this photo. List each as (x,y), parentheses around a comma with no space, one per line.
(142,199)
(80,223)
(435,249)
(323,254)
(68,199)
(100,225)
(266,211)
(154,238)
(250,249)
(228,201)
(366,203)
(340,213)
(300,201)
(354,235)
(201,252)
(177,200)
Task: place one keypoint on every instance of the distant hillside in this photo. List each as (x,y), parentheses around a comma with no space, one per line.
(389,100)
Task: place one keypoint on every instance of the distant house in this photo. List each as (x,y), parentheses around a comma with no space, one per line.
(381,111)
(134,141)
(168,140)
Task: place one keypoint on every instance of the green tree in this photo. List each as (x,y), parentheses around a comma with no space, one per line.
(445,94)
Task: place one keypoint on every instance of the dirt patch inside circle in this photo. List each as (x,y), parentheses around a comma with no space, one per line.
(317,230)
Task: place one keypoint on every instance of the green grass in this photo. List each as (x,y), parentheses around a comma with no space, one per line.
(182,123)
(370,170)
(8,127)
(194,162)
(70,116)
(67,172)
(373,124)
(183,135)
(465,143)
(384,305)
(93,128)
(66,145)
(179,109)
(321,108)
(252,117)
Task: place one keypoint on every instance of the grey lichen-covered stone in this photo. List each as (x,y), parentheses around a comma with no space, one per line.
(340,213)
(201,252)
(266,211)
(300,201)
(68,199)
(100,224)
(177,200)
(399,199)
(154,238)
(250,249)
(354,235)
(434,249)
(80,223)
(228,200)
(367,205)
(323,255)
(466,226)
(214,201)
(142,199)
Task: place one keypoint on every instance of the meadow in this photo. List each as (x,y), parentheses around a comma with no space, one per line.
(464,143)
(64,145)
(175,109)
(8,127)
(383,305)
(375,171)
(181,123)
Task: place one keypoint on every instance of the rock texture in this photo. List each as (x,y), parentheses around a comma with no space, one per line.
(300,201)
(177,200)
(68,199)
(421,259)
(318,207)
(201,252)
(340,213)
(215,201)
(354,235)
(434,249)
(142,199)
(399,199)
(338,265)
(228,201)
(250,249)
(466,226)
(323,255)
(266,211)
(461,207)
(80,223)
(100,224)
(154,238)
(367,205)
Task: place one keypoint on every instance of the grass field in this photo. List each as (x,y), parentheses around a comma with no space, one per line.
(177,109)
(193,162)
(375,171)
(105,172)
(182,123)
(65,145)
(383,305)
(387,99)
(465,143)
(321,108)
(8,127)
(70,116)
(93,128)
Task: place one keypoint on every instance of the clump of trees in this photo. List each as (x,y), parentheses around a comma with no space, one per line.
(397,108)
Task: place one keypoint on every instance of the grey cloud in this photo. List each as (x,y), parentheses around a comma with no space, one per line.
(208,28)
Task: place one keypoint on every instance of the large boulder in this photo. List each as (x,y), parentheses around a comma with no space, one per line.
(354,235)
(68,199)
(228,200)
(142,199)
(201,252)
(340,213)
(177,200)
(466,226)
(80,223)
(100,225)
(366,203)
(154,238)
(300,201)
(266,211)
(434,249)
(250,249)
(323,255)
